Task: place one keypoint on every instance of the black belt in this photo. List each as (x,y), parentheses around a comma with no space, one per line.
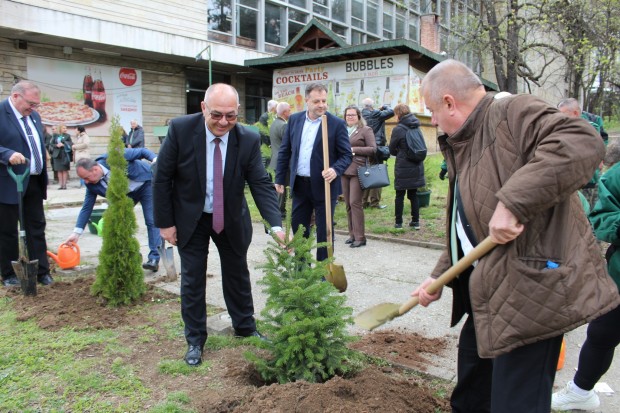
(303,178)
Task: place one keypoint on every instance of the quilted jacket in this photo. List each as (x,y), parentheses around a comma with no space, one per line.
(525,153)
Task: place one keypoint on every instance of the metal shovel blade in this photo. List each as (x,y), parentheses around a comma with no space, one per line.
(382,313)
(26,272)
(167,258)
(337,277)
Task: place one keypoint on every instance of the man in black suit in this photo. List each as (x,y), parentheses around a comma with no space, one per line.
(302,151)
(21,138)
(188,209)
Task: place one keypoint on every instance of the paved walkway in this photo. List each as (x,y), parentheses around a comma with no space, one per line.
(382,271)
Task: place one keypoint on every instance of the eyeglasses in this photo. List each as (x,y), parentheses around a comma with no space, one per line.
(218,116)
(350,115)
(32,104)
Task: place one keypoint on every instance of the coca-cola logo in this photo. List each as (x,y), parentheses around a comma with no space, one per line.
(127,76)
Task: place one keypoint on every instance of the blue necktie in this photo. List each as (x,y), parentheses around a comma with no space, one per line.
(38,165)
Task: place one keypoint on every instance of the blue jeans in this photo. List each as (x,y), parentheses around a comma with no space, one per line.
(144,195)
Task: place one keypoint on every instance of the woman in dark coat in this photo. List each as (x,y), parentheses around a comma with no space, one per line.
(363,145)
(408,175)
(60,149)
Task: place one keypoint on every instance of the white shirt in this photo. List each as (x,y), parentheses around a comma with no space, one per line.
(35,135)
(308,136)
(208,208)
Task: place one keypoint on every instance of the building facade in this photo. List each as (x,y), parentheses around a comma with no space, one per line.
(172,48)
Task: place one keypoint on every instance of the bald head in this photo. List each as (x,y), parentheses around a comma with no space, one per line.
(451,92)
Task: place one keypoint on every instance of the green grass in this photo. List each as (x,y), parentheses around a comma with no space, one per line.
(381,221)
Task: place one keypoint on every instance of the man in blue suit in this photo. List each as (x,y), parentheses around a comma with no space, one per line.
(21,138)
(302,151)
(96,175)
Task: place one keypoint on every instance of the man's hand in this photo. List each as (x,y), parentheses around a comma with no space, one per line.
(17,158)
(169,234)
(424,297)
(504,225)
(279,188)
(329,175)
(73,238)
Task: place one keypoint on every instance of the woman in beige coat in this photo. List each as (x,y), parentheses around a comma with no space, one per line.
(81,147)
(363,145)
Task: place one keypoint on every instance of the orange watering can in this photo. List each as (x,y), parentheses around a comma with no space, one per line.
(68,256)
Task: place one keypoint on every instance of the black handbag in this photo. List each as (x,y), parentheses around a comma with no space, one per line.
(383,153)
(373,176)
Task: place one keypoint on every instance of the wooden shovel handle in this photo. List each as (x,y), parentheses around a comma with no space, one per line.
(328,202)
(451,273)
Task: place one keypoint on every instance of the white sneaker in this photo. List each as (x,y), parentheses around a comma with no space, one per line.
(567,399)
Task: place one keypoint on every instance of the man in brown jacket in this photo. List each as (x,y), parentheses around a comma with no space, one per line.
(514,165)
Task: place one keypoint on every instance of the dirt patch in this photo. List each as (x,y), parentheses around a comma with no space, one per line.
(231,384)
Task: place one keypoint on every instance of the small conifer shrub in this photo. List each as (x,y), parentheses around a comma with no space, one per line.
(305,318)
(119,279)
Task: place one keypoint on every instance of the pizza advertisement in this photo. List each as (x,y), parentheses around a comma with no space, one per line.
(84,94)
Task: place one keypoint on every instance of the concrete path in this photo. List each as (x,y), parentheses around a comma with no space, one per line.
(382,271)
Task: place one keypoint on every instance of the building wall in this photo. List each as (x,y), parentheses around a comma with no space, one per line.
(163,85)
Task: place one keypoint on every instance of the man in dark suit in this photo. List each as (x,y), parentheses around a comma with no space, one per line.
(302,151)
(21,138)
(202,169)
(96,174)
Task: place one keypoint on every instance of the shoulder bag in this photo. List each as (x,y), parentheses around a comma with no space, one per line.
(373,176)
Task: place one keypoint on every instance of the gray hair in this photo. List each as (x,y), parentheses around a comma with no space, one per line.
(570,103)
(272,105)
(450,77)
(612,155)
(86,163)
(23,86)
(282,107)
(368,102)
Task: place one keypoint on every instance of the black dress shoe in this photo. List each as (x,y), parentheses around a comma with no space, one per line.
(152,265)
(358,244)
(254,333)
(11,281)
(45,279)
(350,241)
(193,357)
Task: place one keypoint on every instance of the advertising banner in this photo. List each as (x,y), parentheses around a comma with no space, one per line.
(387,80)
(86,94)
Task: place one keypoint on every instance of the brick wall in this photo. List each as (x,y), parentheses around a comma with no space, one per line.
(429,32)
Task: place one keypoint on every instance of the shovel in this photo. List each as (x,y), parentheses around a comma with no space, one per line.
(167,258)
(25,269)
(335,273)
(382,313)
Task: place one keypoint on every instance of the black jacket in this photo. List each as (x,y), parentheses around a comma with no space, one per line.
(407,174)
(375,119)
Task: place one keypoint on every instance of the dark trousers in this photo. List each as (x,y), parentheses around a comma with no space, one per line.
(598,350)
(303,206)
(399,205)
(282,203)
(34,225)
(516,382)
(235,283)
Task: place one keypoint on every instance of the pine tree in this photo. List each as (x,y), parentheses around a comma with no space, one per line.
(119,275)
(305,318)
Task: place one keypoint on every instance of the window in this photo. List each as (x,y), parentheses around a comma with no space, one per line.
(388,23)
(219,15)
(296,22)
(320,7)
(273,28)
(339,9)
(414,22)
(357,13)
(401,17)
(298,3)
(247,16)
(356,37)
(372,11)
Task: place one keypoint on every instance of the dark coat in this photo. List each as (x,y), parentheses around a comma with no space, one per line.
(179,185)
(407,174)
